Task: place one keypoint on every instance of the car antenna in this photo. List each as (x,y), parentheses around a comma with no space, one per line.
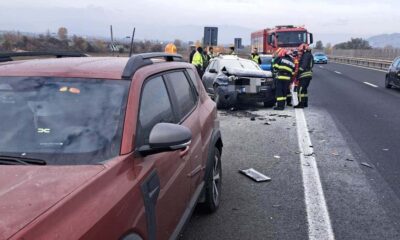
(133,36)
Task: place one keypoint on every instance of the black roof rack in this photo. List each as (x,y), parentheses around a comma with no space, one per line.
(8,56)
(140,60)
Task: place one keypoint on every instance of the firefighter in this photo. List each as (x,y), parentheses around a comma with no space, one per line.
(198,61)
(210,53)
(284,69)
(305,74)
(255,56)
(170,48)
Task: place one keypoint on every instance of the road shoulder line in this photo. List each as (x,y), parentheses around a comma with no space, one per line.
(319,223)
(379,70)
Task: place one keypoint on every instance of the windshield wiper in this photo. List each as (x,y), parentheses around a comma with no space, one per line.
(12,160)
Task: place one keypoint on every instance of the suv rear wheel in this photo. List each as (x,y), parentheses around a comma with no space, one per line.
(213,183)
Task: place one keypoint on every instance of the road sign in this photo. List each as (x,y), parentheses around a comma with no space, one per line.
(210,36)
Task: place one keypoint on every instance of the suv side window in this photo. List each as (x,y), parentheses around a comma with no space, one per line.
(396,63)
(211,66)
(182,91)
(216,65)
(155,107)
(192,77)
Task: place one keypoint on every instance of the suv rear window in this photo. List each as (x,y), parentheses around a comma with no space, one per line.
(60,120)
(183,92)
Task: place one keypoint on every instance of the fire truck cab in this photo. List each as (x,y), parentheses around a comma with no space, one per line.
(269,40)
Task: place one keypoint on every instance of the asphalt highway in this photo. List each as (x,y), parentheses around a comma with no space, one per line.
(335,167)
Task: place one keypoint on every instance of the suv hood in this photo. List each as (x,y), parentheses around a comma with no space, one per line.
(247,73)
(26,192)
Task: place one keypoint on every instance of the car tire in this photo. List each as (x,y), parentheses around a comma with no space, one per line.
(387,83)
(269,104)
(213,183)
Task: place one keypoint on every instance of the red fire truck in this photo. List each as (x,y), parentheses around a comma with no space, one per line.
(269,40)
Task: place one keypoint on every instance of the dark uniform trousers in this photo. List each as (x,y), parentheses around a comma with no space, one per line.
(281,91)
(303,91)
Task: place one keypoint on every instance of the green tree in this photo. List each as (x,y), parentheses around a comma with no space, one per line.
(354,43)
(62,33)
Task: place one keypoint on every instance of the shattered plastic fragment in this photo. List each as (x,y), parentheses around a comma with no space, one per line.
(252,118)
(385,149)
(349,159)
(366,164)
(277,156)
(255,175)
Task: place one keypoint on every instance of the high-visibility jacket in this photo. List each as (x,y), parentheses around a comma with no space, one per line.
(306,65)
(256,58)
(284,68)
(198,59)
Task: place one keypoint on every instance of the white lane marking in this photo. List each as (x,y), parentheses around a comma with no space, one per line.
(319,223)
(370,84)
(379,70)
(338,72)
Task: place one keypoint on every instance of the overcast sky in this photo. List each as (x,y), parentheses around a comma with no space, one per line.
(329,20)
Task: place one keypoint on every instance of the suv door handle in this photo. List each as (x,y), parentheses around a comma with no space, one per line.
(184,152)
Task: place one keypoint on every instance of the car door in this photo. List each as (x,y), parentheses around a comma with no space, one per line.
(210,75)
(186,102)
(166,187)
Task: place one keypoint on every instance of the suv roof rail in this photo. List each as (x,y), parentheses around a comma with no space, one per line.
(7,56)
(140,60)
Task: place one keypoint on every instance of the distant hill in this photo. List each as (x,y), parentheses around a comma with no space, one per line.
(383,40)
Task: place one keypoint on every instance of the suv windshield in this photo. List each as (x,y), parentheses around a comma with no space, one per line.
(63,121)
(291,39)
(239,64)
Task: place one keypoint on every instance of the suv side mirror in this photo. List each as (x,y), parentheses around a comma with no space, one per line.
(212,70)
(166,137)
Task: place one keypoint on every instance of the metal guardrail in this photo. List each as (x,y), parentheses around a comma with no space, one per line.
(366,62)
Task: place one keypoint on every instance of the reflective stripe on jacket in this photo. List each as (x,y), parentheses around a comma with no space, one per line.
(284,68)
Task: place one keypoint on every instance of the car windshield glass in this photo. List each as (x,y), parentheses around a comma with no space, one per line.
(291,39)
(266,60)
(62,121)
(239,64)
(320,55)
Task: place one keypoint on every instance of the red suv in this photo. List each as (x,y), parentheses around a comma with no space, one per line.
(105,148)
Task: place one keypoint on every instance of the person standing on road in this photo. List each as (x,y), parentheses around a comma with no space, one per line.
(284,69)
(210,53)
(232,51)
(192,52)
(255,56)
(198,61)
(304,75)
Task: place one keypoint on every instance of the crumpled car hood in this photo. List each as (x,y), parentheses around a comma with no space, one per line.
(247,73)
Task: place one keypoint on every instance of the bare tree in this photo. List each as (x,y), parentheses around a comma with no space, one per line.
(62,33)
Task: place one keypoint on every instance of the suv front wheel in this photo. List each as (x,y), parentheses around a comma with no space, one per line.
(213,183)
